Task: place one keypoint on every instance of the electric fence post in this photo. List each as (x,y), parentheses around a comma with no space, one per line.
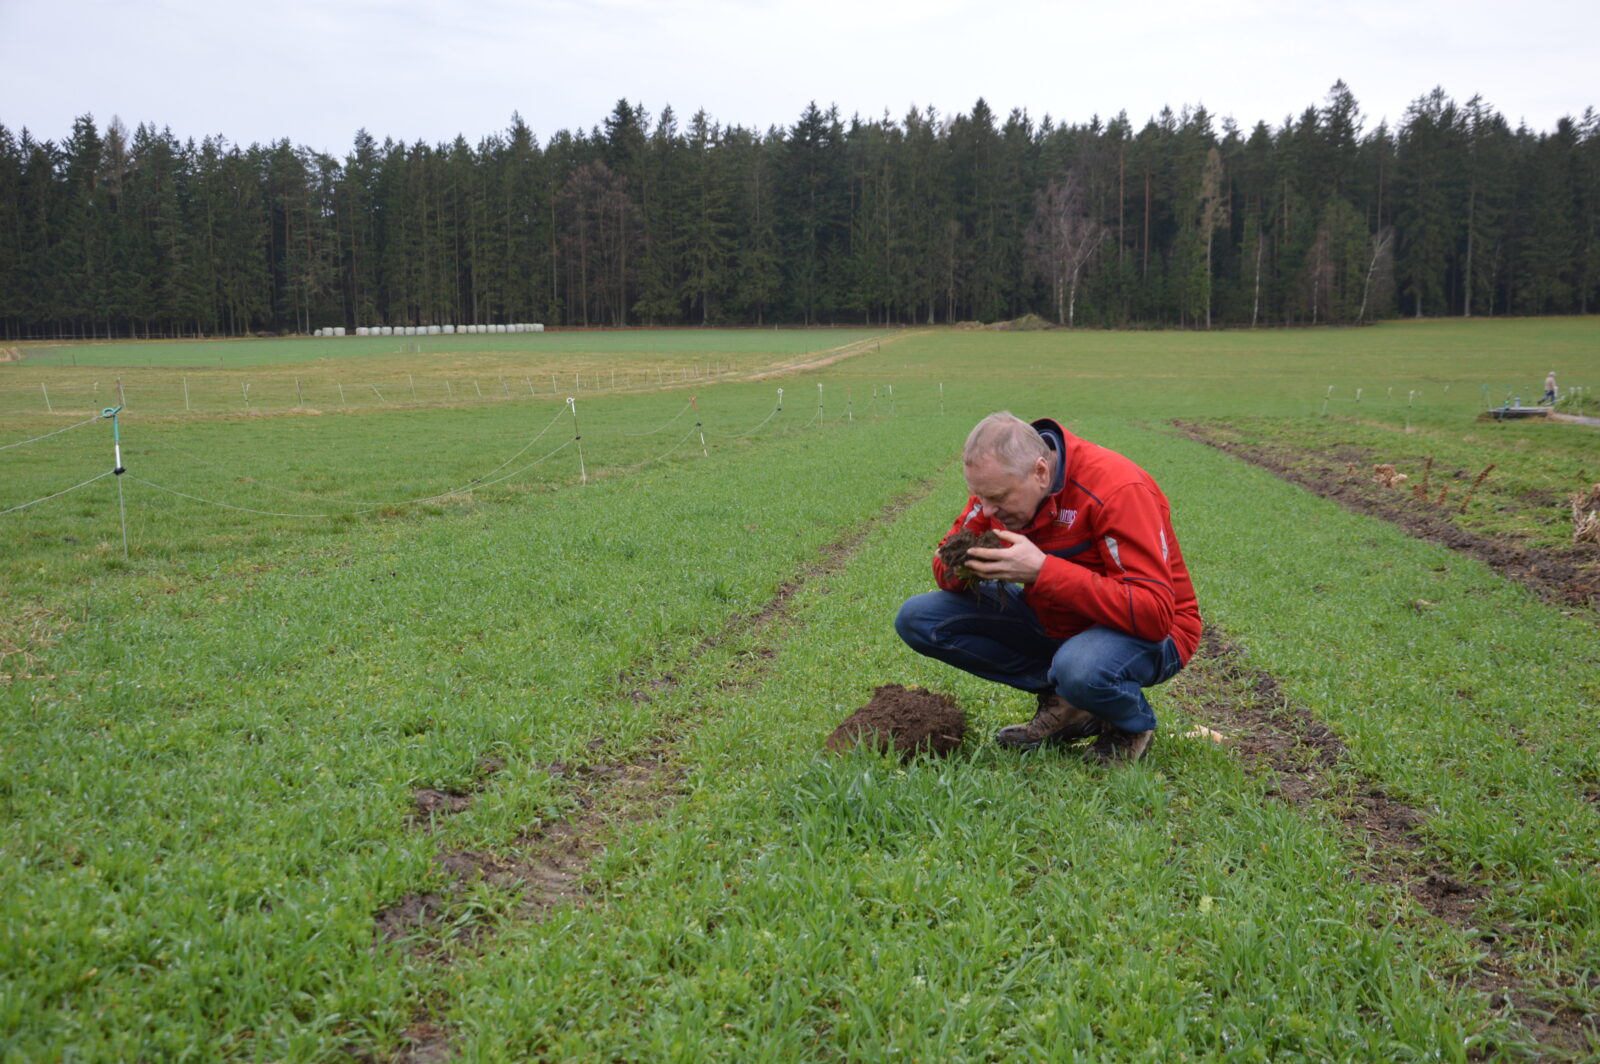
(941,398)
(46,392)
(577,437)
(819,402)
(850,405)
(118,469)
(703,452)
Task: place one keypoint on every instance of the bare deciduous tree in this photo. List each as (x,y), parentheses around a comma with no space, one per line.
(1061,240)
(1382,260)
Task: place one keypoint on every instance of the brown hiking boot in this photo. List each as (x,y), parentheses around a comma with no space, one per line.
(1055,721)
(1117,747)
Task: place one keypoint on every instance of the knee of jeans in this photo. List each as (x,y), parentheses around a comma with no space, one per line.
(1080,683)
(909,624)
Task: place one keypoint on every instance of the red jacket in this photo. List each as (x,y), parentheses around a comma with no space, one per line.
(1112,557)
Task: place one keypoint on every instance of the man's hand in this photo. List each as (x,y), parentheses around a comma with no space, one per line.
(1019,563)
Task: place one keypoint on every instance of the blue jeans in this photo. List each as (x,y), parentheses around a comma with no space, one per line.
(991,632)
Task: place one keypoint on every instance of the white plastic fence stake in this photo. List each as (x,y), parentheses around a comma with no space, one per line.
(553,385)
(379,394)
(244,389)
(476,385)
(941,398)
(819,402)
(298,393)
(613,380)
(503,387)
(186,393)
(117,470)
(342,400)
(412,378)
(1358,395)
(449,392)
(577,437)
(46,391)
(529,382)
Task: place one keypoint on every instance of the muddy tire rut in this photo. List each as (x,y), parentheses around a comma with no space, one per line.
(1308,767)
(547,866)
(1568,577)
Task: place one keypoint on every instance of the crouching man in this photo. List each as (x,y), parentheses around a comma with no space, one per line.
(1086,604)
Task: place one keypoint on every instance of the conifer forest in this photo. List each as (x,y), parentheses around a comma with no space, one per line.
(647,219)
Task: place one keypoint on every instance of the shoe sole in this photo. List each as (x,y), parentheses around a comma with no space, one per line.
(1033,744)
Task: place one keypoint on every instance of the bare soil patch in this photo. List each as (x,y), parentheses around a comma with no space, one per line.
(907,720)
(1568,576)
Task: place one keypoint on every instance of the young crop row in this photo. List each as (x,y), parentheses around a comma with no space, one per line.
(222,754)
(210,791)
(198,493)
(795,906)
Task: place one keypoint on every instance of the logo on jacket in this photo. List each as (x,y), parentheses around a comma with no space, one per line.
(1066,517)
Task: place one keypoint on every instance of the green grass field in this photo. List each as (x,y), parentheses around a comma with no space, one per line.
(224,756)
(292,351)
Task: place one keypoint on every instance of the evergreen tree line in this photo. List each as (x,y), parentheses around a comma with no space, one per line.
(929,219)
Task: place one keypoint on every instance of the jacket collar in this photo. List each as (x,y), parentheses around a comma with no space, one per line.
(1055,438)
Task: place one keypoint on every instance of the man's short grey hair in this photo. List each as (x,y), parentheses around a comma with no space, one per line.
(1007,438)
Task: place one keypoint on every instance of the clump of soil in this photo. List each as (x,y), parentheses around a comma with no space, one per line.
(907,720)
(954,550)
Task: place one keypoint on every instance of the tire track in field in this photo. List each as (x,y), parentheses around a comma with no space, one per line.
(545,866)
(1310,770)
(1569,577)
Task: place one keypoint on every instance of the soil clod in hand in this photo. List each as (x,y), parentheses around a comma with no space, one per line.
(907,720)
(954,550)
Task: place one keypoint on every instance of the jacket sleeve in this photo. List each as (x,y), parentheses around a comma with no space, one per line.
(970,517)
(1136,593)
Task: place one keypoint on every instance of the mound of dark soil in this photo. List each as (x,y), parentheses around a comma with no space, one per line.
(907,720)
(954,551)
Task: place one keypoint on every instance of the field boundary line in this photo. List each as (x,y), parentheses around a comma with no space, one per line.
(1311,771)
(548,863)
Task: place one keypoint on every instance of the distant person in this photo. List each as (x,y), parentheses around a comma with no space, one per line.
(1549,388)
(1088,603)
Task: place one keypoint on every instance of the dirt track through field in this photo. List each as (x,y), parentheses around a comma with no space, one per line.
(1310,770)
(1569,578)
(546,866)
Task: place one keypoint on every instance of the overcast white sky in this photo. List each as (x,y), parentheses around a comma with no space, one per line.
(315,71)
